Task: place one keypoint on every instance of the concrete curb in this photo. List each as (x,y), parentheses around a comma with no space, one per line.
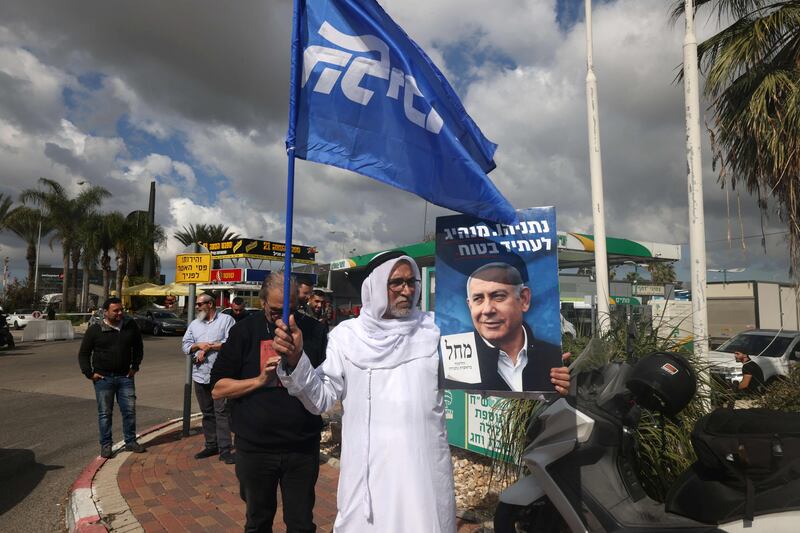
(82,515)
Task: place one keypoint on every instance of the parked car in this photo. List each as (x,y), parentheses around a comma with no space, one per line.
(19,318)
(160,322)
(774,351)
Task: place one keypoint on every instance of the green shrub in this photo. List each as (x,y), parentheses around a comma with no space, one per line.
(783,393)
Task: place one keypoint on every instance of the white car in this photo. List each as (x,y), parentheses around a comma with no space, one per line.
(19,318)
(774,351)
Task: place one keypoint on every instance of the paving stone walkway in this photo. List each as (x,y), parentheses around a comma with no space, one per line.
(167,489)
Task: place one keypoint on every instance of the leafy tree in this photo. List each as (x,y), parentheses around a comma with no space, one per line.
(24,222)
(205,233)
(220,232)
(633,277)
(111,227)
(662,272)
(752,70)
(191,234)
(143,238)
(63,214)
(17,295)
(5,209)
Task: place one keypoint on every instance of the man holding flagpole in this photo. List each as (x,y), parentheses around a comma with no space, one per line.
(366,98)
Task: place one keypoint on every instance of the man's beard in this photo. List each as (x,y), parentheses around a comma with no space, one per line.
(400,312)
(201,315)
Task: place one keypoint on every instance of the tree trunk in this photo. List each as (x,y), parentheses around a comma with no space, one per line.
(30,256)
(76,259)
(65,286)
(105,264)
(120,274)
(85,289)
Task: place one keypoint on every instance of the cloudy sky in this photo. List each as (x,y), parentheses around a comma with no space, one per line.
(193,94)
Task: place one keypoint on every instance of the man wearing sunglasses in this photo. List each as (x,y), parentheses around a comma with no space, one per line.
(203,339)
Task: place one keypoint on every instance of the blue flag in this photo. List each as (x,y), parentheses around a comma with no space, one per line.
(366,98)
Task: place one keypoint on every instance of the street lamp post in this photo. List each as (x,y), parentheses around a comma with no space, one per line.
(697,244)
(596,174)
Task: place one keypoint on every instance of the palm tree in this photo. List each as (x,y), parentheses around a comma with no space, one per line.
(63,212)
(220,233)
(144,238)
(205,233)
(752,70)
(191,234)
(24,222)
(111,226)
(5,209)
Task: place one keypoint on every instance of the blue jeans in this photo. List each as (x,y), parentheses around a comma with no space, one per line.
(123,387)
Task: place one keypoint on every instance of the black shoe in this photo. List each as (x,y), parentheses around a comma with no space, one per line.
(135,447)
(227,457)
(105,451)
(206,452)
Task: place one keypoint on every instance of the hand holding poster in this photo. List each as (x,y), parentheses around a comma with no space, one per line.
(497,302)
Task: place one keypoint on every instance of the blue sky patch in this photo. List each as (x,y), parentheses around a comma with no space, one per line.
(141,144)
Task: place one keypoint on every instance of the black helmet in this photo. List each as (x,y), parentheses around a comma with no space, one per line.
(664,382)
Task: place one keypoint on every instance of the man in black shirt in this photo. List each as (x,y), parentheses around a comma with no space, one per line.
(110,355)
(277,440)
(237,310)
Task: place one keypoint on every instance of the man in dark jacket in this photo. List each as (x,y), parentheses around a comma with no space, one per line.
(110,355)
(277,440)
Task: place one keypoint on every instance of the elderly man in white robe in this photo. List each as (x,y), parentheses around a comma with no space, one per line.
(396,474)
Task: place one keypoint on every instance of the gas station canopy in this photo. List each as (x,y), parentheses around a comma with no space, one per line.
(574,250)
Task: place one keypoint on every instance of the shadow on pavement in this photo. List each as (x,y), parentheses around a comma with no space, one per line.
(20,474)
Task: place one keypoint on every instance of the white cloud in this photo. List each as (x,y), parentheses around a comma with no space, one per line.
(215,81)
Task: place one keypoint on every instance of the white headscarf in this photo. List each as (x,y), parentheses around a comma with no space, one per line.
(376,342)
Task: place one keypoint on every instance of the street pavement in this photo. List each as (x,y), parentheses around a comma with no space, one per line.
(49,437)
(48,423)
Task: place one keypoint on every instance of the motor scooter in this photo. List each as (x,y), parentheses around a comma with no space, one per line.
(582,464)
(6,338)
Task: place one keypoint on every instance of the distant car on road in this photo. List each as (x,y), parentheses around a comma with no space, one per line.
(20,318)
(160,322)
(774,351)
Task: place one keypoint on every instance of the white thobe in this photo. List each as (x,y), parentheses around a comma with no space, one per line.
(396,474)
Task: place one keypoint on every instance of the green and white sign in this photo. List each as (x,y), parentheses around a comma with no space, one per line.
(626,300)
(474,422)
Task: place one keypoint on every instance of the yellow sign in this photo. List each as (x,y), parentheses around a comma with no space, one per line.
(193,268)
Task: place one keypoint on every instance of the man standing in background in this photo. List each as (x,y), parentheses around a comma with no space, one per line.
(110,355)
(237,310)
(204,339)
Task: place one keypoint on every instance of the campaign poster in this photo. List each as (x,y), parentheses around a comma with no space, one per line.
(497,302)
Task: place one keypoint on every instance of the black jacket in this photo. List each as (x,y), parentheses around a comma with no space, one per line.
(106,350)
(269,419)
(542,356)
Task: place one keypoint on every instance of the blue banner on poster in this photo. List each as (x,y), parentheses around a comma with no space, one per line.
(497,302)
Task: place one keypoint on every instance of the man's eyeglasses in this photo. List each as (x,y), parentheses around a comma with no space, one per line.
(397,284)
(198,304)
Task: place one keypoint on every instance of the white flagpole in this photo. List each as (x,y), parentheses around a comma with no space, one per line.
(697,233)
(596,172)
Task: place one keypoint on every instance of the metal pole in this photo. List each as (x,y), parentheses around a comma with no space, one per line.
(691,87)
(36,269)
(187,386)
(596,172)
